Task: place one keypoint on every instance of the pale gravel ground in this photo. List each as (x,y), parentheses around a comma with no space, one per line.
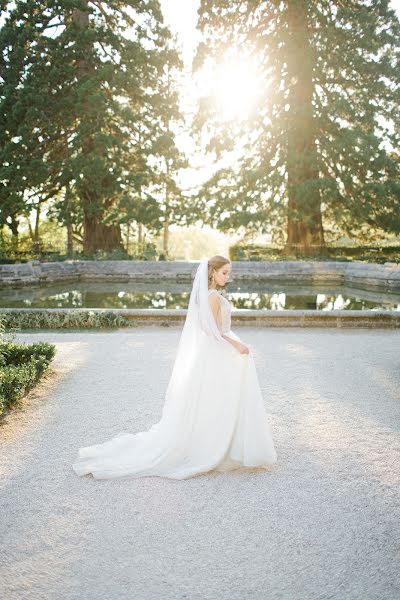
(324,525)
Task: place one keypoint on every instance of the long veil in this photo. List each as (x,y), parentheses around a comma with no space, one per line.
(199,332)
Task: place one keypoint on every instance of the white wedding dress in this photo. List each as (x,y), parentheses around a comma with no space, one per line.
(213,419)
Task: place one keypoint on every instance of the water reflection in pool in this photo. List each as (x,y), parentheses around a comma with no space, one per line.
(273,296)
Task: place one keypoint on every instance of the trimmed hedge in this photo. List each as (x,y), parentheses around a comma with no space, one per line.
(21,367)
(67,320)
(376,254)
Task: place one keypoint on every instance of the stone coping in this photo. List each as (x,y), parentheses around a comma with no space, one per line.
(368,275)
(263,318)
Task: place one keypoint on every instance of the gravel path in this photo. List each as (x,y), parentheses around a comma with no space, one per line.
(325,524)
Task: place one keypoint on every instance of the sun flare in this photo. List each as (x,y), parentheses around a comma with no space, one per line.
(233,85)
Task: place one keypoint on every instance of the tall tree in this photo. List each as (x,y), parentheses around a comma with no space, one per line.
(85,69)
(24,179)
(153,197)
(319,148)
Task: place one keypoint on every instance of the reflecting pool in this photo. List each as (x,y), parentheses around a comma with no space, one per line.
(268,296)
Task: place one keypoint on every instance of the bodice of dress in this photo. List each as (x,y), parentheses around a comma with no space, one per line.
(226,309)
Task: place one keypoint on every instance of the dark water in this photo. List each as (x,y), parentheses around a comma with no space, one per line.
(274,296)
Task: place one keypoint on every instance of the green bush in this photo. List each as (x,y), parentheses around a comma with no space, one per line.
(51,253)
(149,252)
(64,320)
(19,354)
(21,368)
(376,254)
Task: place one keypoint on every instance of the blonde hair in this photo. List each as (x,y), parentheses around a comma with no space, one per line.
(215,263)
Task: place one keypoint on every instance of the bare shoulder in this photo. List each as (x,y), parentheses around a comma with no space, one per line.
(213,299)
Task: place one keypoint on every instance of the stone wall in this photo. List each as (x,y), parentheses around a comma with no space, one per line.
(367,275)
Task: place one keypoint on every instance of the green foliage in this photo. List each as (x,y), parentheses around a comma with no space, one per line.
(49,253)
(20,369)
(85,114)
(19,354)
(376,254)
(325,127)
(150,252)
(64,320)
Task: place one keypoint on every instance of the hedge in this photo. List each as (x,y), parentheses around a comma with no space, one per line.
(71,319)
(21,367)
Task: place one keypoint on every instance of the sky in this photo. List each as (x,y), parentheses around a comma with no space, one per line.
(181,16)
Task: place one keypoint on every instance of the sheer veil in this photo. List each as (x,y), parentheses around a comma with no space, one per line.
(199,324)
(199,332)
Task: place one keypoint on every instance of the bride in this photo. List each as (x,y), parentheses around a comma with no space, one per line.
(213,416)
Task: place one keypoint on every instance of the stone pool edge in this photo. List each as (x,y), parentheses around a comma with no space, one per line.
(374,276)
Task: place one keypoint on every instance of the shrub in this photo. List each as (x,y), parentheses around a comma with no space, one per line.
(22,366)
(64,320)
(19,354)
(377,254)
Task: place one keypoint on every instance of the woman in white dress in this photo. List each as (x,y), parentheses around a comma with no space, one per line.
(213,416)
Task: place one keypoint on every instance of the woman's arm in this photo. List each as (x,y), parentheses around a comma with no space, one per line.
(216,311)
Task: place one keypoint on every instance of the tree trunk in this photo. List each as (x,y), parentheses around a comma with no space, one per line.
(166,216)
(166,236)
(31,234)
(14,230)
(70,239)
(68,219)
(140,233)
(37,222)
(98,236)
(304,220)
(128,231)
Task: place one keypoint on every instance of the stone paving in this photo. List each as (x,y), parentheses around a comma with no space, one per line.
(325,524)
